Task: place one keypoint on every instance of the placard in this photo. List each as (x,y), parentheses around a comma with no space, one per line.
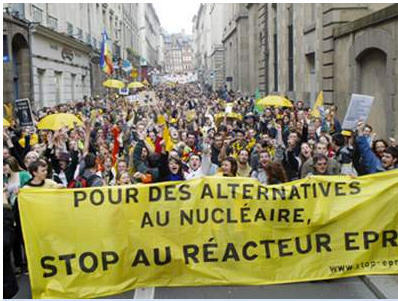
(358,109)
(24,112)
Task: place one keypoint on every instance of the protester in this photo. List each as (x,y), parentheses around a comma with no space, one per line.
(184,132)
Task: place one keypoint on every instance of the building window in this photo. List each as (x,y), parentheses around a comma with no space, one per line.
(58,86)
(37,14)
(69,29)
(52,22)
(6,56)
(40,73)
(290,51)
(79,33)
(73,83)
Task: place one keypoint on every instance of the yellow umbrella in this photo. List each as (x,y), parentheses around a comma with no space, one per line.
(113,83)
(135,85)
(57,121)
(218,117)
(6,123)
(275,101)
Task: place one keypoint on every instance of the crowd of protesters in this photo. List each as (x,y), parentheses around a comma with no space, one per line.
(178,133)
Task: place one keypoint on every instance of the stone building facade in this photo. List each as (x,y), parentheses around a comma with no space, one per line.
(338,48)
(178,53)
(16,59)
(65,43)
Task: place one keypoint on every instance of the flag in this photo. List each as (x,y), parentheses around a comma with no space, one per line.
(316,111)
(257,96)
(106,55)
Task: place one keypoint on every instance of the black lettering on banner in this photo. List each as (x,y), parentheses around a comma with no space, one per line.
(305,186)
(339,188)
(325,191)
(323,240)
(213,215)
(314,191)
(230,253)
(156,256)
(184,190)
(169,189)
(281,192)
(93,199)
(283,215)
(230,218)
(202,218)
(191,252)
(79,196)
(108,258)
(165,220)
(219,192)
(266,244)
(282,245)
(67,259)
(294,193)
(233,189)
(298,217)
(119,196)
(94,262)
(140,258)
(262,191)
(146,220)
(131,193)
(185,217)
(355,187)
(45,265)
(260,214)
(247,193)
(349,241)
(369,237)
(154,194)
(299,247)
(160,220)
(245,248)
(207,252)
(244,212)
(392,240)
(207,192)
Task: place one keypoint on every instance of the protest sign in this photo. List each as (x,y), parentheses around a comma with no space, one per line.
(358,109)
(92,242)
(124,91)
(24,112)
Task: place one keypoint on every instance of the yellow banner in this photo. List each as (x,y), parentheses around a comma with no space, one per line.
(85,243)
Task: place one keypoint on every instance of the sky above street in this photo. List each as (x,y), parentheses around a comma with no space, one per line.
(176,15)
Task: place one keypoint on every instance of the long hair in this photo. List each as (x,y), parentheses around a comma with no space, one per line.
(13,163)
(234,165)
(180,165)
(276,173)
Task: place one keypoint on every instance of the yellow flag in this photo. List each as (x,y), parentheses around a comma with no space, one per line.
(317,105)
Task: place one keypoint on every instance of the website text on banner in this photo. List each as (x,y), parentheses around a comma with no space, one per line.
(94,242)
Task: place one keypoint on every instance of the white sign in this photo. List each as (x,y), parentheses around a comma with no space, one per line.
(124,91)
(358,109)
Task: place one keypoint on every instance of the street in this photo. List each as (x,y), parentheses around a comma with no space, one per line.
(348,288)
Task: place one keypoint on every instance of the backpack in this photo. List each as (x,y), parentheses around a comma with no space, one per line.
(81,182)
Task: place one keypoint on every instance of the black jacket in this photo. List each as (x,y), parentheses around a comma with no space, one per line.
(10,285)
